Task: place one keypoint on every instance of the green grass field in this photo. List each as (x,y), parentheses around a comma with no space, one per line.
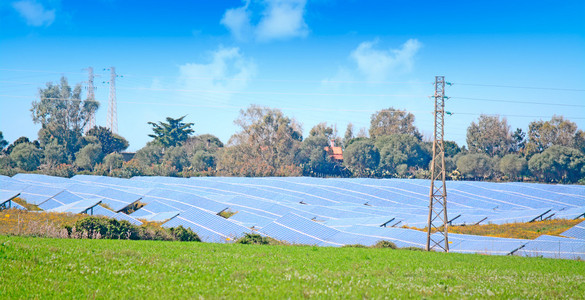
(72,268)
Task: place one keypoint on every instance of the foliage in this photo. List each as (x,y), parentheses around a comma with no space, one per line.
(171,133)
(557,131)
(513,165)
(113,161)
(266,145)
(60,170)
(348,136)
(62,115)
(392,121)
(203,161)
(88,156)
(55,154)
(3,142)
(558,164)
(385,244)
(314,158)
(399,152)
(149,155)
(36,267)
(476,166)
(110,142)
(100,227)
(361,158)
(26,156)
(176,156)
(253,239)
(490,136)
(184,234)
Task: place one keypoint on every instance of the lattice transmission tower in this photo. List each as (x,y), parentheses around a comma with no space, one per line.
(90,97)
(437,237)
(113,108)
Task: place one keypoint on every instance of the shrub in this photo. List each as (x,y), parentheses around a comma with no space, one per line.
(385,244)
(354,246)
(184,234)
(96,227)
(412,248)
(253,239)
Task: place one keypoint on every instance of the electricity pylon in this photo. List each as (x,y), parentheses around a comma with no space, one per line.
(437,237)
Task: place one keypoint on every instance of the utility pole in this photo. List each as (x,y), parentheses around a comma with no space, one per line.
(113,108)
(437,225)
(90,97)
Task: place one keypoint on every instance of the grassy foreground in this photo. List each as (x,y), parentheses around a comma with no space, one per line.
(72,268)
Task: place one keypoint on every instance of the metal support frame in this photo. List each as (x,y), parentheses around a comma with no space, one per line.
(437,227)
(113,109)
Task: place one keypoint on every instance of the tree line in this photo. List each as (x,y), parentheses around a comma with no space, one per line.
(270,143)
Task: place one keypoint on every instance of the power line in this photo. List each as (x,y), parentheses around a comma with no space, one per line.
(521,87)
(520,102)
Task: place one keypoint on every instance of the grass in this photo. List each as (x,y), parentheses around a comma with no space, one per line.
(515,230)
(19,222)
(72,268)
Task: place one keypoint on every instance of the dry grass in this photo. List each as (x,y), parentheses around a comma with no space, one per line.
(27,223)
(515,230)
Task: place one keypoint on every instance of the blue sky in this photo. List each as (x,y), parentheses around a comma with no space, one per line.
(318,61)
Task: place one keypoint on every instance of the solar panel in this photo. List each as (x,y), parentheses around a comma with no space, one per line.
(37,194)
(78,207)
(554,247)
(102,211)
(209,227)
(577,231)
(463,243)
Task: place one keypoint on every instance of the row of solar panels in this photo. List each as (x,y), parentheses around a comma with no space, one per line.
(265,203)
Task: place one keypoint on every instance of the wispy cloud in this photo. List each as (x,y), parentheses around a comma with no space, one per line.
(34,13)
(279,19)
(227,70)
(377,64)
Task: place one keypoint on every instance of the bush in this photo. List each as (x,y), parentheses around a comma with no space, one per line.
(253,239)
(354,246)
(385,244)
(99,227)
(412,248)
(184,234)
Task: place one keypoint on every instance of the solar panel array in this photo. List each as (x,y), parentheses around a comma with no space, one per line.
(314,211)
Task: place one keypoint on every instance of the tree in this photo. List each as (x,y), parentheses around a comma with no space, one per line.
(392,121)
(20,140)
(361,158)
(88,156)
(150,154)
(204,142)
(518,141)
(490,136)
(401,150)
(315,159)
(203,161)
(266,145)
(557,131)
(558,164)
(513,165)
(113,161)
(110,142)
(348,136)
(476,165)
(171,134)
(177,157)
(3,142)
(451,148)
(62,114)
(26,156)
(54,154)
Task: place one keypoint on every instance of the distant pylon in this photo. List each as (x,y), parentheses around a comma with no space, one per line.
(113,108)
(90,97)
(437,223)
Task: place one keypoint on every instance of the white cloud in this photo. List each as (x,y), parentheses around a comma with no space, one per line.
(279,19)
(34,13)
(376,64)
(228,70)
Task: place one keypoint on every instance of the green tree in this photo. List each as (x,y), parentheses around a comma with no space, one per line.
(361,158)
(3,142)
(89,156)
(476,165)
(518,141)
(203,161)
(113,161)
(204,142)
(558,164)
(401,149)
(392,121)
(110,142)
(314,158)
(62,115)
(557,131)
(490,135)
(177,157)
(172,133)
(54,154)
(26,156)
(151,154)
(348,136)
(513,166)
